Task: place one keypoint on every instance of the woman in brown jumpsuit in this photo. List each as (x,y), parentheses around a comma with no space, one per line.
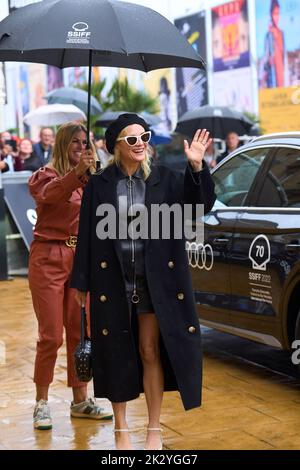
(57,189)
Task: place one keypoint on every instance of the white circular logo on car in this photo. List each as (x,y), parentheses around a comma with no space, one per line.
(200,256)
(260,252)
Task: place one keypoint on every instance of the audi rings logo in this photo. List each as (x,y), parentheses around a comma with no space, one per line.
(200,256)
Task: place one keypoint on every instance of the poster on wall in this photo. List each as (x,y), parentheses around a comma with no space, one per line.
(54,78)
(233,88)
(278,62)
(37,91)
(24,89)
(76,76)
(230,36)
(158,84)
(3,83)
(37,78)
(191,84)
(278,45)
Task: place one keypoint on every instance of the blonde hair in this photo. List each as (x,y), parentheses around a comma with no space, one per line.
(60,160)
(146,163)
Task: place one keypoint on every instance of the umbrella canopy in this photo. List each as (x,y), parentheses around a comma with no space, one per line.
(109,116)
(54,115)
(219,121)
(66,33)
(119,34)
(71,95)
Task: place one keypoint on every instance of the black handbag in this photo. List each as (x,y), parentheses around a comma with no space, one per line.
(83,353)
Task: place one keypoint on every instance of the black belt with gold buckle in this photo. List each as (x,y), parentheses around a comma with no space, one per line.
(71,241)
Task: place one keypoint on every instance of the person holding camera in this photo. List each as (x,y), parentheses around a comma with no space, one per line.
(8,152)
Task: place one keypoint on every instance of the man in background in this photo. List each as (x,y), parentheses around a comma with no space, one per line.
(232,143)
(44,147)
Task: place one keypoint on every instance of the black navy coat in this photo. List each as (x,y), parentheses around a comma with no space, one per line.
(117,370)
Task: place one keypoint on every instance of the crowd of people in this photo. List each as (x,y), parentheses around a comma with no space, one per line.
(22,154)
(18,154)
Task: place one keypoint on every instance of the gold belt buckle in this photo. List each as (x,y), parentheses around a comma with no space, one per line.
(71,241)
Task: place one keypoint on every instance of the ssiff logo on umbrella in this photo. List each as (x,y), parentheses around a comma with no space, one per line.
(79,35)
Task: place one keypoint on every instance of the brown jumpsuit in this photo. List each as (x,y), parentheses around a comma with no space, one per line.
(58,202)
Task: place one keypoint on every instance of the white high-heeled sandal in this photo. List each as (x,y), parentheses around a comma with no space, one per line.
(122,430)
(155,429)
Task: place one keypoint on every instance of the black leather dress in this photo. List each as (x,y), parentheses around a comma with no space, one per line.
(131,191)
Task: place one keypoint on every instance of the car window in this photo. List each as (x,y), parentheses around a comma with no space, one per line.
(281,187)
(234,178)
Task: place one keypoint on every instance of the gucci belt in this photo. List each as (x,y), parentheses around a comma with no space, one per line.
(71,241)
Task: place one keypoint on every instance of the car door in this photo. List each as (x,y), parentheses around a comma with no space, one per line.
(210,261)
(266,248)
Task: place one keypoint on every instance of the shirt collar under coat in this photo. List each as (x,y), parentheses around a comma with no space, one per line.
(120,173)
(114,172)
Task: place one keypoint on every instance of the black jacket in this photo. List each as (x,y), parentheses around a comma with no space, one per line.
(38,149)
(117,370)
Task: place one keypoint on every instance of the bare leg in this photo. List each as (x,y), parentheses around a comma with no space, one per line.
(79,394)
(153,375)
(42,392)
(122,438)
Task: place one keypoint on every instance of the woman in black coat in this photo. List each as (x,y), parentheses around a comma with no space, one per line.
(144,326)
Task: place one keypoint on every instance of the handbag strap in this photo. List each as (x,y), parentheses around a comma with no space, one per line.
(83,332)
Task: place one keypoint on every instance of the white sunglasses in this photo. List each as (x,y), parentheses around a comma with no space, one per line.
(132,140)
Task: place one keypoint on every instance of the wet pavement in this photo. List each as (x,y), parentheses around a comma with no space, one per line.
(251,396)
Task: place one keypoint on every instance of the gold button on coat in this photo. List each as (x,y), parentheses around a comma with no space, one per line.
(180,296)
(192,329)
(103,264)
(103,298)
(105,331)
(171,264)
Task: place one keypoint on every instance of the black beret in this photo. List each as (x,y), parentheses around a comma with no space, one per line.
(114,129)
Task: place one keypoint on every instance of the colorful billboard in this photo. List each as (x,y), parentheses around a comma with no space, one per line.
(279,109)
(191,84)
(55,77)
(278,61)
(230,36)
(77,76)
(158,84)
(278,45)
(234,89)
(24,89)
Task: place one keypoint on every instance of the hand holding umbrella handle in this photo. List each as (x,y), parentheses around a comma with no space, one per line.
(196,151)
(87,160)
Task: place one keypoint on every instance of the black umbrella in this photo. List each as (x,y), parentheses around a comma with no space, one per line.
(111,33)
(71,95)
(109,116)
(217,120)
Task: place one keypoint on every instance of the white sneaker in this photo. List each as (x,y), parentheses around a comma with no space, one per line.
(89,409)
(41,416)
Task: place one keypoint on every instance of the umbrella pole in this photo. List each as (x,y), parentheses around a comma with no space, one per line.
(89,98)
